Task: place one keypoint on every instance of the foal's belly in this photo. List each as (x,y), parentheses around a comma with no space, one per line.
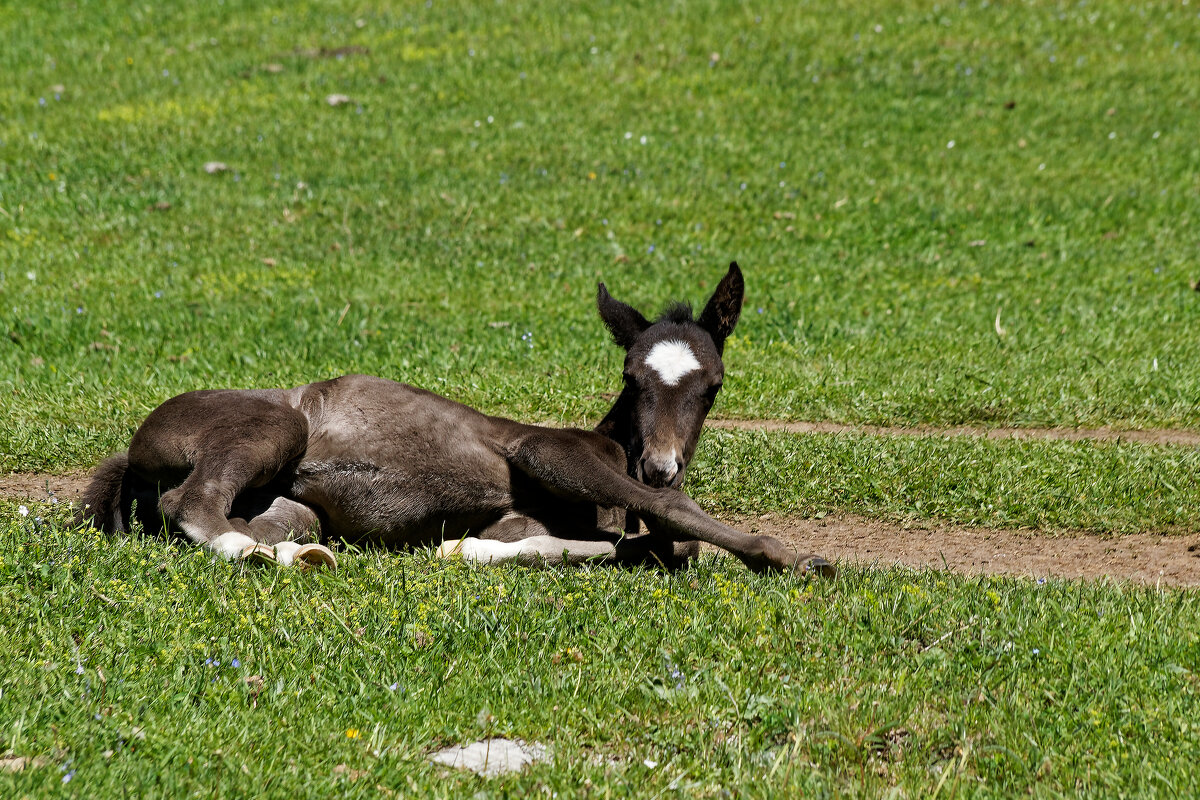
(363,502)
(396,464)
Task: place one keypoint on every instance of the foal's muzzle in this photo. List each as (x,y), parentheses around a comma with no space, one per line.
(665,471)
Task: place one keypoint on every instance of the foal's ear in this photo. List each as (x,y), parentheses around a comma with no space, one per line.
(721,314)
(624,322)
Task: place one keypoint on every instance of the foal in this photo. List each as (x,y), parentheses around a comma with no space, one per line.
(264,474)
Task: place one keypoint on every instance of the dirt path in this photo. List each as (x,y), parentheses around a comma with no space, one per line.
(1168,560)
(1173,436)
(35,486)
(1153,559)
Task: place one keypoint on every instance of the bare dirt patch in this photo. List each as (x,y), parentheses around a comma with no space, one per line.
(1144,558)
(1173,436)
(36,486)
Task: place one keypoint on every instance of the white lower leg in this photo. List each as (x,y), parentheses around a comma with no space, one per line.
(196,534)
(484,551)
(532,551)
(231,544)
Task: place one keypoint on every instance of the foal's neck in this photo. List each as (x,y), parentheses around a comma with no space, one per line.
(618,426)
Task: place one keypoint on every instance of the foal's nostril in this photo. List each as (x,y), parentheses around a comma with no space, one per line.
(678,476)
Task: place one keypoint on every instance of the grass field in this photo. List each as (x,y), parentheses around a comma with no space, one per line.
(490,168)
(978,213)
(151,671)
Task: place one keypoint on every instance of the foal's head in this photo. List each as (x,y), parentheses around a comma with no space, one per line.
(673,372)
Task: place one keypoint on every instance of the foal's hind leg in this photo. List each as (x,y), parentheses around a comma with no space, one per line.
(548,538)
(221,444)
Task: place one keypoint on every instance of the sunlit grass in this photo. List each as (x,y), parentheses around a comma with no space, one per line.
(955,213)
(969,214)
(127,655)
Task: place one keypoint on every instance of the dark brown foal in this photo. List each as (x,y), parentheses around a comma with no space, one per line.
(266,474)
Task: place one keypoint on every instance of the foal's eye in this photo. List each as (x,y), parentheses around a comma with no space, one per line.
(711,392)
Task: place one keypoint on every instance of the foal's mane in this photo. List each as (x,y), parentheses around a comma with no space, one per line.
(676,312)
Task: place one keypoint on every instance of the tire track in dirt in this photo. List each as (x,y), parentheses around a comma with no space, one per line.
(1167,436)
(39,486)
(1142,558)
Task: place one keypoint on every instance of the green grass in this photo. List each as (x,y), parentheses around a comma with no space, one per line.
(1106,488)
(457,190)
(947,213)
(756,686)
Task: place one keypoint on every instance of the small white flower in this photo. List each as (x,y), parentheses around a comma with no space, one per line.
(23,511)
(950,145)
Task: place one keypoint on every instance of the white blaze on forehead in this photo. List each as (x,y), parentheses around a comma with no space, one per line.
(672,360)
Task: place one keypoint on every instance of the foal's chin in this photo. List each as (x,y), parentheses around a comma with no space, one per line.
(655,482)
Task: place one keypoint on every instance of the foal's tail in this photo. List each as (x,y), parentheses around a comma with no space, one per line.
(104,504)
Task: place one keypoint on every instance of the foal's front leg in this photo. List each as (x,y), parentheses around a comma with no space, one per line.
(573,464)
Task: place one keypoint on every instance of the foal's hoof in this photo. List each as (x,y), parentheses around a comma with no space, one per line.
(815,565)
(314,556)
(259,554)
